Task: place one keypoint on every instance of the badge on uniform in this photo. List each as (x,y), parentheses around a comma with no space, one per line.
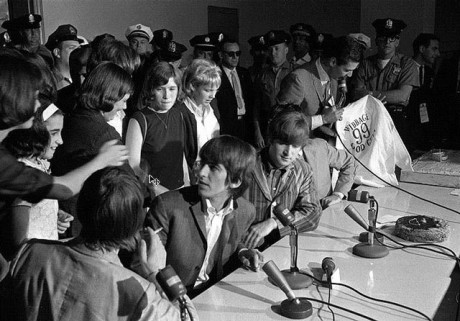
(396,70)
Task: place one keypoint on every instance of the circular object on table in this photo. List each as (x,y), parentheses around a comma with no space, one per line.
(370,251)
(299,308)
(421,228)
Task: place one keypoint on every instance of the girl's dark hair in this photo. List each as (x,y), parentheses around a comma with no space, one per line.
(29,142)
(158,75)
(104,86)
(110,209)
(19,81)
(115,51)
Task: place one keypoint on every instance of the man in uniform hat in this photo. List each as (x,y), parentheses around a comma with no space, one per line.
(204,46)
(388,75)
(24,33)
(303,36)
(267,84)
(161,38)
(259,55)
(61,43)
(171,51)
(139,38)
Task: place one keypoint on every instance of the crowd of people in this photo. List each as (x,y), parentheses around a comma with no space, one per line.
(117,160)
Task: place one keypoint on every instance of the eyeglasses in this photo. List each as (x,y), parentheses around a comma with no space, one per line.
(233,54)
(390,39)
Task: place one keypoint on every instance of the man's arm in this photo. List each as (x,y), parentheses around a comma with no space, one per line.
(398,96)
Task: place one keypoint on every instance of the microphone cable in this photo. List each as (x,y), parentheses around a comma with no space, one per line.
(367,297)
(329,301)
(394,186)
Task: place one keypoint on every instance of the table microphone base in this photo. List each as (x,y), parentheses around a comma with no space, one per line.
(299,308)
(371,251)
(297,280)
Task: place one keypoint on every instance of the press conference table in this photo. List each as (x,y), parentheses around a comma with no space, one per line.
(412,277)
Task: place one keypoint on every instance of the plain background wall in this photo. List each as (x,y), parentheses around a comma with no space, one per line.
(188,18)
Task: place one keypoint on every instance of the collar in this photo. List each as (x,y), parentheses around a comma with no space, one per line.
(78,245)
(323,76)
(211,210)
(190,104)
(306,58)
(284,65)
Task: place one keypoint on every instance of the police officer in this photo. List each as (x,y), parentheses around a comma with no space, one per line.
(303,37)
(139,38)
(259,55)
(205,46)
(171,52)
(388,75)
(267,84)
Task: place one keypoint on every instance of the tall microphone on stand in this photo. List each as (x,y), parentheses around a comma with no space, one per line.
(292,307)
(367,249)
(295,279)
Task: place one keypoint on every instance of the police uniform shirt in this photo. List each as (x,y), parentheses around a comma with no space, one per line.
(400,70)
(299,62)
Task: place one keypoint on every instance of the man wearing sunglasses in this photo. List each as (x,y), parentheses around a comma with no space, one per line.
(388,75)
(234,97)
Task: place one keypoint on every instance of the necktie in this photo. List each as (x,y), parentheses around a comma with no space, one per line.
(422,75)
(238,94)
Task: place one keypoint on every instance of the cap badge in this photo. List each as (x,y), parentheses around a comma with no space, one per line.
(272,35)
(172,47)
(207,39)
(389,24)
(31,18)
(165,34)
(138,27)
(221,37)
(72,30)
(320,37)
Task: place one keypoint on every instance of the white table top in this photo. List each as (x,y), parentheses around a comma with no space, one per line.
(412,277)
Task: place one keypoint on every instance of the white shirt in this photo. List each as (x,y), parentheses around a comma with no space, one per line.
(214,221)
(206,122)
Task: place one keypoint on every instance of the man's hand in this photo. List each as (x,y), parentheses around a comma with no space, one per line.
(260,142)
(151,253)
(331,115)
(112,154)
(63,222)
(330,200)
(251,259)
(259,231)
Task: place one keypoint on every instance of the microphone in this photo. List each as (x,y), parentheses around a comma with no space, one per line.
(353,213)
(295,279)
(293,307)
(328,266)
(171,284)
(358,196)
(366,249)
(284,216)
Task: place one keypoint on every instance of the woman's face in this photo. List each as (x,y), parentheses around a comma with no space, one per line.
(118,106)
(164,97)
(204,94)
(54,126)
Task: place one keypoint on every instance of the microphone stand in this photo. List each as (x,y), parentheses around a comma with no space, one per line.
(369,249)
(293,276)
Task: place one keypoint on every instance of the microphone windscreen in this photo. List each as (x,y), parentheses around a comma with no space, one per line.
(353,213)
(274,273)
(328,265)
(358,196)
(171,283)
(283,215)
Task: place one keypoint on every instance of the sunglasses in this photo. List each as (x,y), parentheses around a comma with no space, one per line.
(233,54)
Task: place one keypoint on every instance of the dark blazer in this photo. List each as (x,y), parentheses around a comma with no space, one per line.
(228,107)
(303,87)
(181,215)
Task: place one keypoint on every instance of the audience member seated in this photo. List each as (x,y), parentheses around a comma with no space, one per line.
(83,279)
(19,89)
(281,177)
(203,226)
(201,80)
(157,133)
(103,94)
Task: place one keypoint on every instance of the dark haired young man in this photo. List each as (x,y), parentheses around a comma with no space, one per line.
(203,226)
(313,86)
(282,177)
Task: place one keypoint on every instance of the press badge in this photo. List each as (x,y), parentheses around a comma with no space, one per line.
(424,114)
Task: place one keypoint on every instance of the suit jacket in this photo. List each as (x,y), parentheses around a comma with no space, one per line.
(322,157)
(303,87)
(181,215)
(228,107)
